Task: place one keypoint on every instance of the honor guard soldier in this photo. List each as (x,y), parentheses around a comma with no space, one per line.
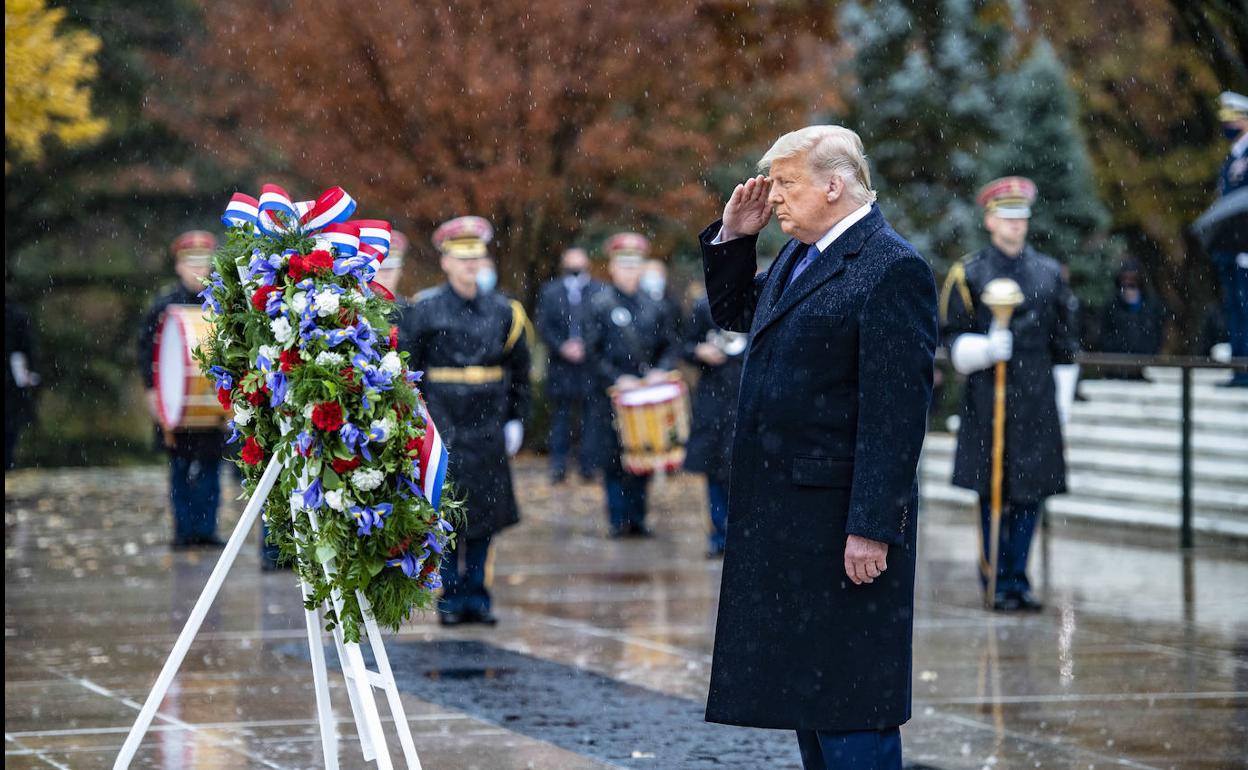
(472,348)
(561,323)
(719,356)
(628,339)
(194,455)
(1039,336)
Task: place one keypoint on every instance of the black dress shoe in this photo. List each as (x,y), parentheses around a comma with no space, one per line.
(484,617)
(1027,602)
(636,529)
(182,543)
(558,477)
(452,618)
(211,541)
(1006,603)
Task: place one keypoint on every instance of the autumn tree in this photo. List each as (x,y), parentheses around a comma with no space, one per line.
(552,119)
(47,77)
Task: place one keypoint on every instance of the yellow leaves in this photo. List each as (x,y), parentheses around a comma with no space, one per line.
(46,81)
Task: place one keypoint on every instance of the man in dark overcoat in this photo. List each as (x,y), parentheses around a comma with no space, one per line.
(1041,334)
(561,311)
(628,340)
(817,599)
(475,358)
(718,355)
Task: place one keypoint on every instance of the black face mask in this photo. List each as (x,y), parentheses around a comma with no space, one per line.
(574,273)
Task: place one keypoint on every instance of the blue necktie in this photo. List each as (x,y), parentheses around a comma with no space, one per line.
(812,251)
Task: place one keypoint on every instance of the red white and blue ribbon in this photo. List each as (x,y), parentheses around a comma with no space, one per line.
(433,461)
(325,219)
(343,236)
(242,210)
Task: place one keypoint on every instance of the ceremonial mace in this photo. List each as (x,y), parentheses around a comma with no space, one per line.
(1001,296)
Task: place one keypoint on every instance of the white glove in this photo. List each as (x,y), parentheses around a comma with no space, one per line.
(1221,352)
(513,436)
(973,352)
(1065,378)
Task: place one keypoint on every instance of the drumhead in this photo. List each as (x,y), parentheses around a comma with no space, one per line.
(650,394)
(170,369)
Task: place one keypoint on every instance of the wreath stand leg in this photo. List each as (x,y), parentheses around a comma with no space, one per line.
(360,681)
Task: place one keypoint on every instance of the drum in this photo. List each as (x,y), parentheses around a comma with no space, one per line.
(185,399)
(653,425)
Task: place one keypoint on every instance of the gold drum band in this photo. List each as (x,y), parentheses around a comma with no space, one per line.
(652,421)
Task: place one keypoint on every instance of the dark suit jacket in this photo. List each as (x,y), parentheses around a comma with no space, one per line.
(833,410)
(556,319)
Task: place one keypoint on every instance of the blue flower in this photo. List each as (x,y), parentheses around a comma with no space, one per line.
(264,268)
(410,563)
(355,439)
(278,385)
(234,434)
(370,518)
(273,305)
(225,380)
(209,294)
(303,442)
(314,495)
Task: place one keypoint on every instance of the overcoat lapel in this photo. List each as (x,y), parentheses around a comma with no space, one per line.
(829,264)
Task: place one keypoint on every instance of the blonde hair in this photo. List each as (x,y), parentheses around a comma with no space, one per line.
(828,150)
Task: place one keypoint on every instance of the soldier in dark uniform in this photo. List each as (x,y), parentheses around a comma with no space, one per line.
(194,455)
(561,312)
(1039,336)
(472,349)
(628,338)
(654,282)
(1232,265)
(719,357)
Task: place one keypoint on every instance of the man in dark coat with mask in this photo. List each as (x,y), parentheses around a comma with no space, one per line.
(817,600)
(1040,335)
(475,358)
(561,312)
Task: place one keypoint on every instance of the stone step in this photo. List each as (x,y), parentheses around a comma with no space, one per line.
(1156,440)
(1073,507)
(1205,469)
(1163,393)
(1138,414)
(1130,489)
(1170,374)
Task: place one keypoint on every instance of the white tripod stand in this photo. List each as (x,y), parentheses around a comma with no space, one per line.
(359,679)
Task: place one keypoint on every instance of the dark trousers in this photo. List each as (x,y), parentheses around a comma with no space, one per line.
(463,576)
(858,750)
(1018,523)
(717,494)
(1235,304)
(194,490)
(626,498)
(564,413)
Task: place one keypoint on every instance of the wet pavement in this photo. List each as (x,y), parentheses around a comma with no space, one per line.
(602,654)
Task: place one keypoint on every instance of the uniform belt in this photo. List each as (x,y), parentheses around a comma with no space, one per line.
(464,375)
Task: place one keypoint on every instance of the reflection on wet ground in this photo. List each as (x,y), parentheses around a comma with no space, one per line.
(1141,660)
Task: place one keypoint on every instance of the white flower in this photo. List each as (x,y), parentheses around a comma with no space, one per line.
(299,302)
(326,303)
(225,341)
(271,352)
(336,499)
(282,331)
(330,360)
(390,364)
(366,479)
(242,414)
(307,409)
(386,427)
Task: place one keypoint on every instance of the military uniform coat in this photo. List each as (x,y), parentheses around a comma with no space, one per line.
(558,320)
(832,412)
(188,443)
(476,363)
(714,401)
(1043,336)
(624,334)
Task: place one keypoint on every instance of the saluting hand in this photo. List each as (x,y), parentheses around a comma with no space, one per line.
(865,559)
(747,211)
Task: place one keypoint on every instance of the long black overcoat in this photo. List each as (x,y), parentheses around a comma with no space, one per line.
(558,320)
(443,331)
(714,401)
(1034,466)
(832,413)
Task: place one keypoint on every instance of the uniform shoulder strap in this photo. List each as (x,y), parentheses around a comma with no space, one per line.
(519,324)
(956,281)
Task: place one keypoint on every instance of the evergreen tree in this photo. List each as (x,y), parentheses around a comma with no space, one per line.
(924,100)
(1041,140)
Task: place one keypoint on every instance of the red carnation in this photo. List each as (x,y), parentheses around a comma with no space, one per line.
(223,398)
(413,447)
(297,267)
(253,453)
(394,338)
(258,397)
(261,297)
(327,416)
(290,359)
(342,466)
(318,260)
(398,550)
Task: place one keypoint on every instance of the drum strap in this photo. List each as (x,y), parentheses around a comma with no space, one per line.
(464,375)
